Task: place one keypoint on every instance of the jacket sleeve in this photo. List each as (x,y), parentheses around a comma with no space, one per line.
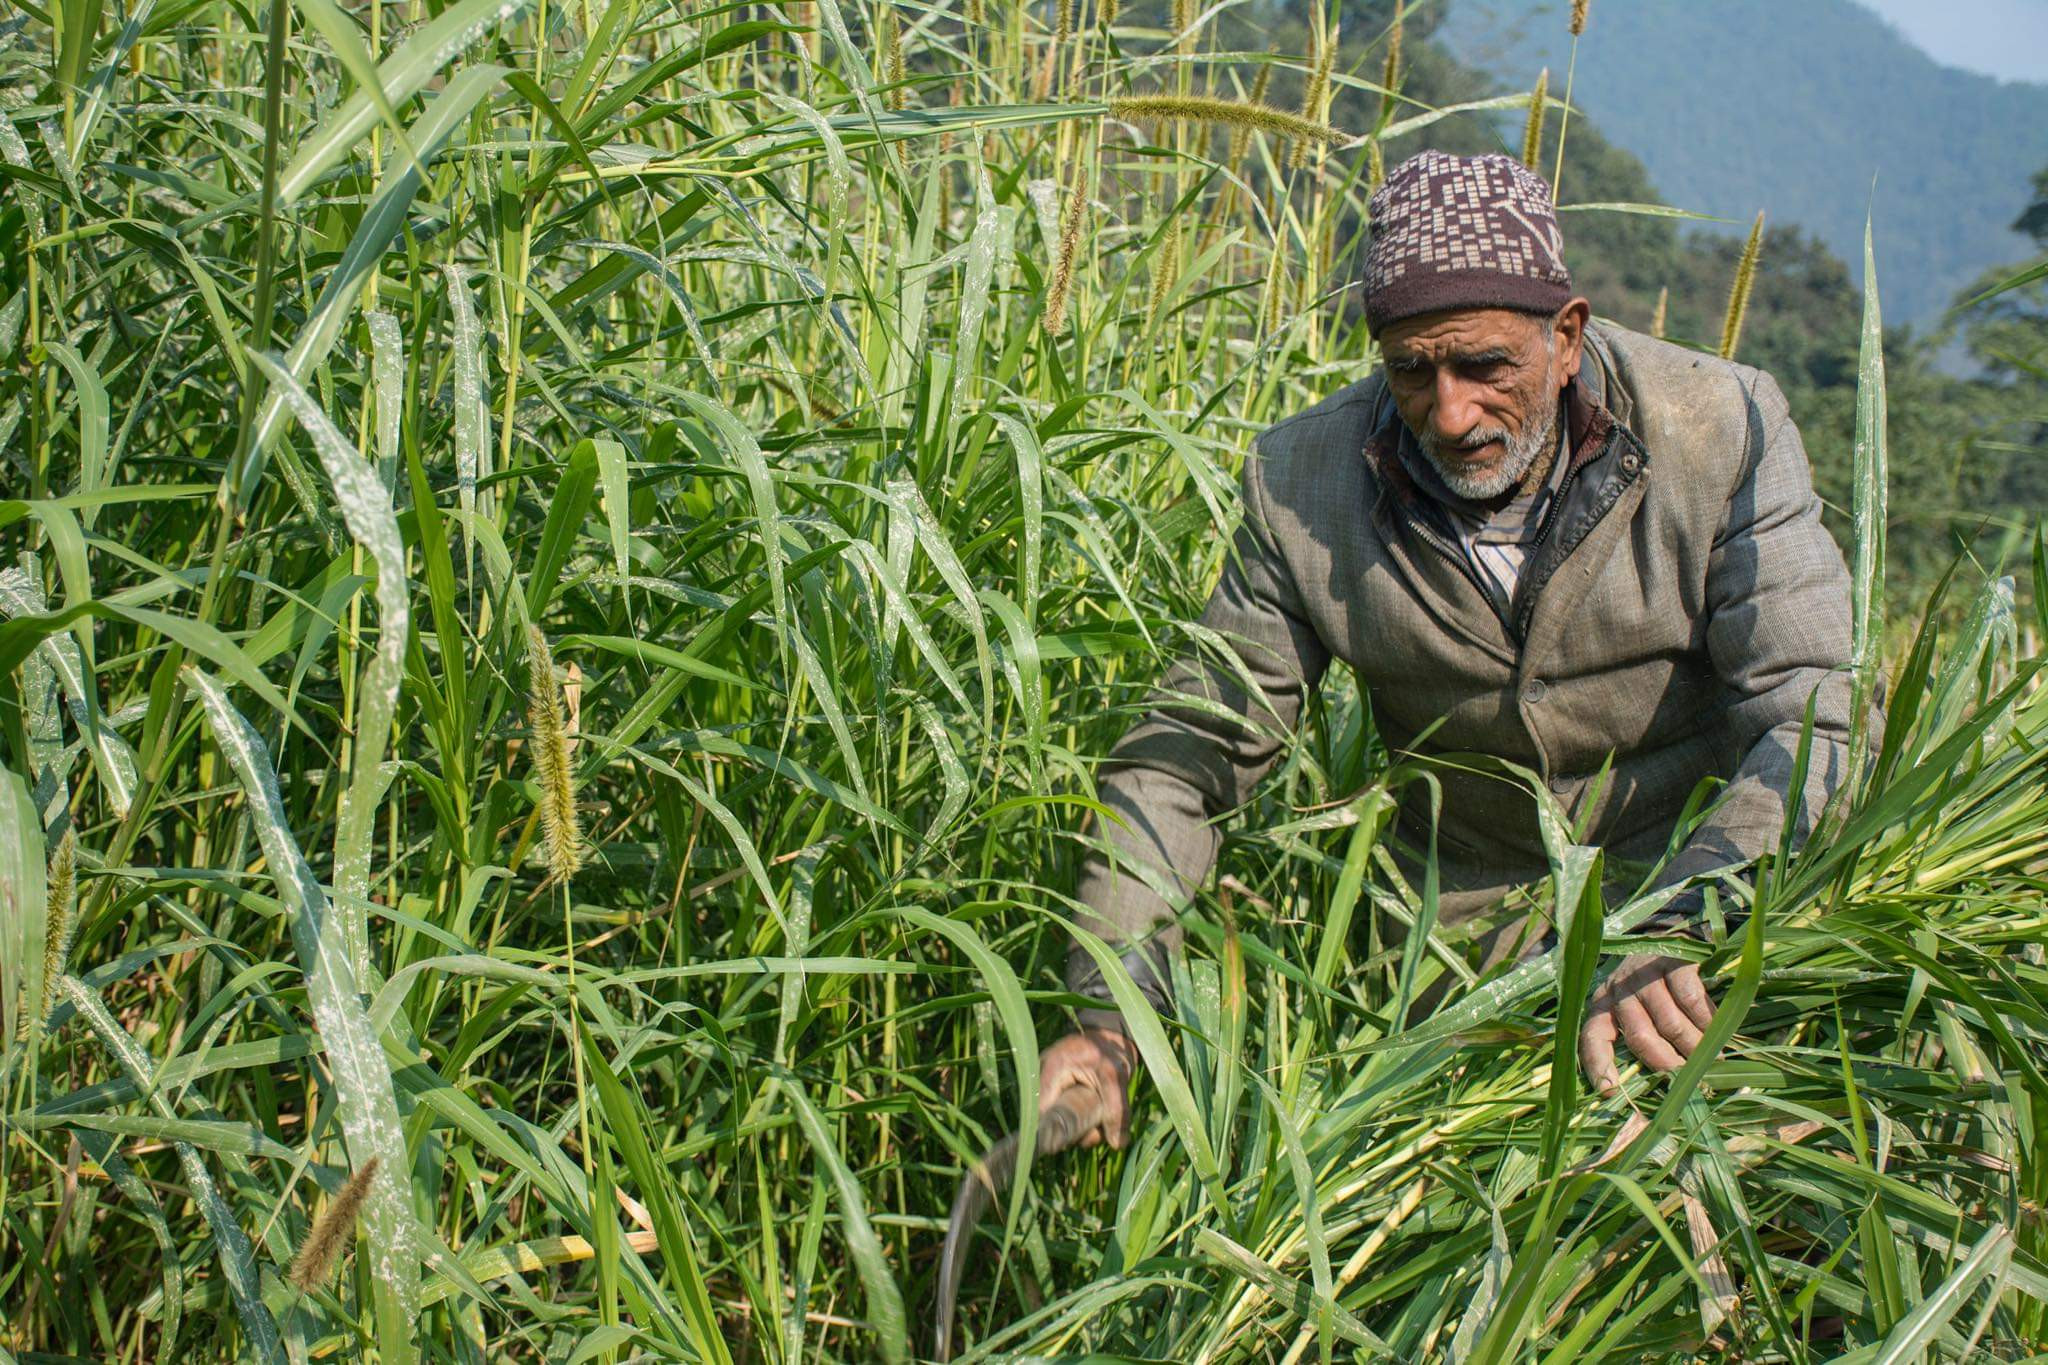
(1778,630)
(1199,749)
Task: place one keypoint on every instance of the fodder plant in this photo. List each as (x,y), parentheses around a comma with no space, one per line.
(564,570)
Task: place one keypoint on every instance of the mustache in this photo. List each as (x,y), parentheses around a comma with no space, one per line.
(1471,440)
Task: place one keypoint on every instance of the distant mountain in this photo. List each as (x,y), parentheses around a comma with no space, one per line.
(1740,105)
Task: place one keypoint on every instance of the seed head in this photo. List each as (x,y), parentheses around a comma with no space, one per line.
(1657,318)
(1312,98)
(61,920)
(1236,113)
(1276,294)
(1579,8)
(892,57)
(1165,269)
(1390,73)
(1532,131)
(1738,293)
(560,829)
(1054,319)
(315,1261)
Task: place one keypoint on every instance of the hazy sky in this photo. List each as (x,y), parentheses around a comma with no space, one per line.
(2003,38)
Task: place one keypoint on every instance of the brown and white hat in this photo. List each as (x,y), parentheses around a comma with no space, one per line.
(1463,232)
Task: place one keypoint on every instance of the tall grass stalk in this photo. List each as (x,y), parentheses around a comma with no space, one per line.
(1316,94)
(1390,65)
(1581,9)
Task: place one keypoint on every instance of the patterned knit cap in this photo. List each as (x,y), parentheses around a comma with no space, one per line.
(1463,232)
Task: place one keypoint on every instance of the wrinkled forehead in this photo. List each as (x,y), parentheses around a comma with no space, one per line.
(1460,333)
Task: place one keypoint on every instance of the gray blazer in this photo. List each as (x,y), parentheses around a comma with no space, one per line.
(1683,606)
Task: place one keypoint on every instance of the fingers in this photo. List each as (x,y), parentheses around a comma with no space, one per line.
(1641,1034)
(1117,1047)
(1596,1044)
(1120,1059)
(1060,1067)
(1657,1005)
(1098,1064)
(1117,1121)
(1093,1136)
(1670,1021)
(1115,1124)
(1691,994)
(1056,1082)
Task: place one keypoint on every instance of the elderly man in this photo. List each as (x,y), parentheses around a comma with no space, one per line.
(1557,541)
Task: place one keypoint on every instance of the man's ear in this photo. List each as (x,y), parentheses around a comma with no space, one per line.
(1569,328)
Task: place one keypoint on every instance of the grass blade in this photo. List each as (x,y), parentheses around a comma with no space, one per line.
(362,1081)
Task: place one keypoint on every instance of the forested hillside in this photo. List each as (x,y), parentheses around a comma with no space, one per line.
(1816,109)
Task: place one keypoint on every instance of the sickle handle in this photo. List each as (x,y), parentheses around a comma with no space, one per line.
(1060,1126)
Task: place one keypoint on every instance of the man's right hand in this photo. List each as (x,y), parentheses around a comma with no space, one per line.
(1102,1060)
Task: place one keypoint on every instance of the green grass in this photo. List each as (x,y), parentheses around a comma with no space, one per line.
(696,340)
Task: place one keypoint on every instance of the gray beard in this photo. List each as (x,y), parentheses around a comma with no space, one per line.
(1522,449)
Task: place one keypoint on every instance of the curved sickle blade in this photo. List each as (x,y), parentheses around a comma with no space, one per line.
(1077,1110)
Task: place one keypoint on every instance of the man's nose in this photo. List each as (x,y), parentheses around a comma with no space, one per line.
(1455,409)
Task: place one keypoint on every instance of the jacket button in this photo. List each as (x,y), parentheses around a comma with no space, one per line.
(1560,783)
(1533,690)
(1629,461)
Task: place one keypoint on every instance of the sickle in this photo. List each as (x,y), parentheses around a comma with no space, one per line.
(1060,1126)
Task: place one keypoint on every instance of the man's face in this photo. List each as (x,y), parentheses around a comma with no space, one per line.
(1478,387)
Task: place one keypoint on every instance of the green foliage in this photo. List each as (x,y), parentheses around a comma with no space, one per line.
(671,381)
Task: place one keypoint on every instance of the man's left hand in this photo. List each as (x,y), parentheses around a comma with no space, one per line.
(1657,1005)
